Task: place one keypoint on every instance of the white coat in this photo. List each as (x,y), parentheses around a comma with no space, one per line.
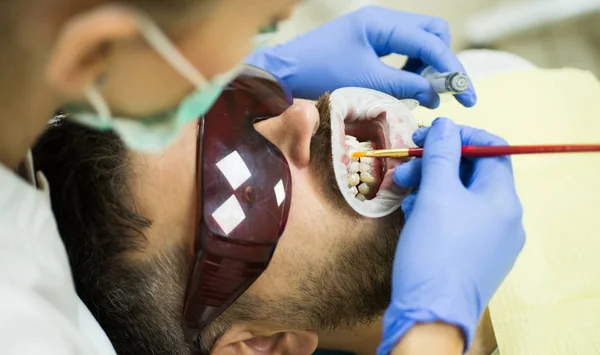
(40,312)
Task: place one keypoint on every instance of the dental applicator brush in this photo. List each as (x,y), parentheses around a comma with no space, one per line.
(484,151)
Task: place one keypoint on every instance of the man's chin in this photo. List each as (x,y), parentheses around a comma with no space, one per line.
(349,289)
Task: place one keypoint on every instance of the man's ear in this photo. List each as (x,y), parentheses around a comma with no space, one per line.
(84,44)
(287,342)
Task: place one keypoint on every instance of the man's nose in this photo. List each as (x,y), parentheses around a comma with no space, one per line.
(292,131)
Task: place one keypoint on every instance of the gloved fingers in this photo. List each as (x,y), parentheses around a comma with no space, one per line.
(469,136)
(431,50)
(416,66)
(466,135)
(440,28)
(408,174)
(489,174)
(476,136)
(408,203)
(406,85)
(387,20)
(493,175)
(419,135)
(383,24)
(436,26)
(469,170)
(422,38)
(424,46)
(467,98)
(386,36)
(441,156)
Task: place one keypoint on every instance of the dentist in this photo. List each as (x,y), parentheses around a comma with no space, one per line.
(144,69)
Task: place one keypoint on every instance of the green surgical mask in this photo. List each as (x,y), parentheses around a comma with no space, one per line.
(153,134)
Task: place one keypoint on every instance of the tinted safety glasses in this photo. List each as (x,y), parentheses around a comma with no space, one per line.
(244,195)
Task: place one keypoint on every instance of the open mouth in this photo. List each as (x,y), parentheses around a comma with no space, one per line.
(363,120)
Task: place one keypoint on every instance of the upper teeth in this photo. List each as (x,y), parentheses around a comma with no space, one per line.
(361,170)
(353,179)
(366,177)
(351,139)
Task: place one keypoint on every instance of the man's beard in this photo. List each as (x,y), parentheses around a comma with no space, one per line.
(351,288)
(354,287)
(142,305)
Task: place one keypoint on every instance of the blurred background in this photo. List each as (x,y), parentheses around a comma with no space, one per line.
(549,33)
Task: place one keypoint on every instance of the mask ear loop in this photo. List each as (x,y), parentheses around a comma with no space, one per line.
(165,47)
(161,44)
(99,104)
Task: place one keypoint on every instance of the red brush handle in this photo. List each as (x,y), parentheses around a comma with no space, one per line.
(494,151)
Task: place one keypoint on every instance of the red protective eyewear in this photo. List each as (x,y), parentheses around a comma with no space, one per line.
(244,194)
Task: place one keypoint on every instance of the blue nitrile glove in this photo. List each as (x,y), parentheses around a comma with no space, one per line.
(462,235)
(345,52)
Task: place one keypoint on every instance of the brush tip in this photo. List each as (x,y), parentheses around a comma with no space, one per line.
(357,155)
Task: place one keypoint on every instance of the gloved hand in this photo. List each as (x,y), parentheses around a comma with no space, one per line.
(462,235)
(346,51)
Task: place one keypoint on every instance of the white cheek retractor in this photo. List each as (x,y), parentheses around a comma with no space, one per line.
(356,105)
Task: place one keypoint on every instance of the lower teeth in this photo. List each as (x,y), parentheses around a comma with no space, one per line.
(364,188)
(354,179)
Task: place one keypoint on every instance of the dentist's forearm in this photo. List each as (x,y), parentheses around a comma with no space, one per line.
(431,339)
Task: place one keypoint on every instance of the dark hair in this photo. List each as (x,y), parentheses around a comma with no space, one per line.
(87,172)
